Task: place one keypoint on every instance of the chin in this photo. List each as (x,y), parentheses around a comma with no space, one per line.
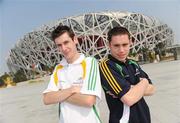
(66,56)
(122,59)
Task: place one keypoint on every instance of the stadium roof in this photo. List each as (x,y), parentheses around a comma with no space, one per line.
(37,49)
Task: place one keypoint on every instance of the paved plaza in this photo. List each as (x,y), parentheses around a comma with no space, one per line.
(23,103)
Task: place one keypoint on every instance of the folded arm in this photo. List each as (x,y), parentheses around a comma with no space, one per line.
(82,99)
(59,96)
(135,93)
(150,90)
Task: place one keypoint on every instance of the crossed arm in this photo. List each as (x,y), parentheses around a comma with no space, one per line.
(136,92)
(150,90)
(82,99)
(71,95)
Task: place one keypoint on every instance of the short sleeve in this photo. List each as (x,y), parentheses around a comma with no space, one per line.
(144,75)
(52,86)
(112,80)
(91,81)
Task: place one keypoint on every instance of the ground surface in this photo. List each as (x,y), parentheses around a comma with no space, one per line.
(23,103)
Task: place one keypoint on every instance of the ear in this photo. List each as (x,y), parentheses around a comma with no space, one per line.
(109,44)
(75,40)
(130,42)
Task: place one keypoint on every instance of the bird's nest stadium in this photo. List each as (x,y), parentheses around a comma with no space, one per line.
(35,51)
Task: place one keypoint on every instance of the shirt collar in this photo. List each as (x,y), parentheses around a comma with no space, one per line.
(116,60)
(77,61)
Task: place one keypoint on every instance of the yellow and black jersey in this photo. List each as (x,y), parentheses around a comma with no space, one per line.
(116,80)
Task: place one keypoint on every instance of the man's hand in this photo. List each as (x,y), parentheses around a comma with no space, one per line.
(135,93)
(150,90)
(75,88)
(61,95)
(143,79)
(80,99)
(111,94)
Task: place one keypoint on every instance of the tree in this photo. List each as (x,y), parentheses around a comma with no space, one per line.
(3,80)
(2,84)
(19,76)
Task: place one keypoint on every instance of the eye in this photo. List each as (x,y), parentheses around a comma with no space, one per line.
(124,45)
(116,45)
(66,42)
(59,45)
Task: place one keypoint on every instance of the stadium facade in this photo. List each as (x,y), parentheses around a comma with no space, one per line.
(35,51)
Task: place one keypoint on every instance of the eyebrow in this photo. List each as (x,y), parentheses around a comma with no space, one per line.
(66,41)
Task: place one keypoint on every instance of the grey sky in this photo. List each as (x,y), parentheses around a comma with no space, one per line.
(17,17)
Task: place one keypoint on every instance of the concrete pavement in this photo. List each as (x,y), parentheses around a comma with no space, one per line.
(23,103)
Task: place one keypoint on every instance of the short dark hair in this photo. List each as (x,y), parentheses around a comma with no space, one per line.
(61,30)
(118,30)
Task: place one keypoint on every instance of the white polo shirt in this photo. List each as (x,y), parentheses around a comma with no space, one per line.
(84,71)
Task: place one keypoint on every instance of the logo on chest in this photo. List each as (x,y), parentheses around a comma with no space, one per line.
(79,81)
(137,72)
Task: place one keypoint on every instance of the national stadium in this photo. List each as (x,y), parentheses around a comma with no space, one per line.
(36,51)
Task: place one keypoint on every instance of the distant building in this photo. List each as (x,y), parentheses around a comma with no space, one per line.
(37,49)
(175,49)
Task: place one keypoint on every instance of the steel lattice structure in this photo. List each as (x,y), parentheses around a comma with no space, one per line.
(36,50)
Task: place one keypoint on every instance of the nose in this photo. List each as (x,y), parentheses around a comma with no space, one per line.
(63,48)
(121,49)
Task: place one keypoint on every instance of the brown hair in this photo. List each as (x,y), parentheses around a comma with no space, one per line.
(117,31)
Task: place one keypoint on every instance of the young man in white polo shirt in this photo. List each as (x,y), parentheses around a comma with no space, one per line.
(75,82)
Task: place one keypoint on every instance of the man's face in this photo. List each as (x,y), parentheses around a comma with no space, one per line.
(67,46)
(120,46)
